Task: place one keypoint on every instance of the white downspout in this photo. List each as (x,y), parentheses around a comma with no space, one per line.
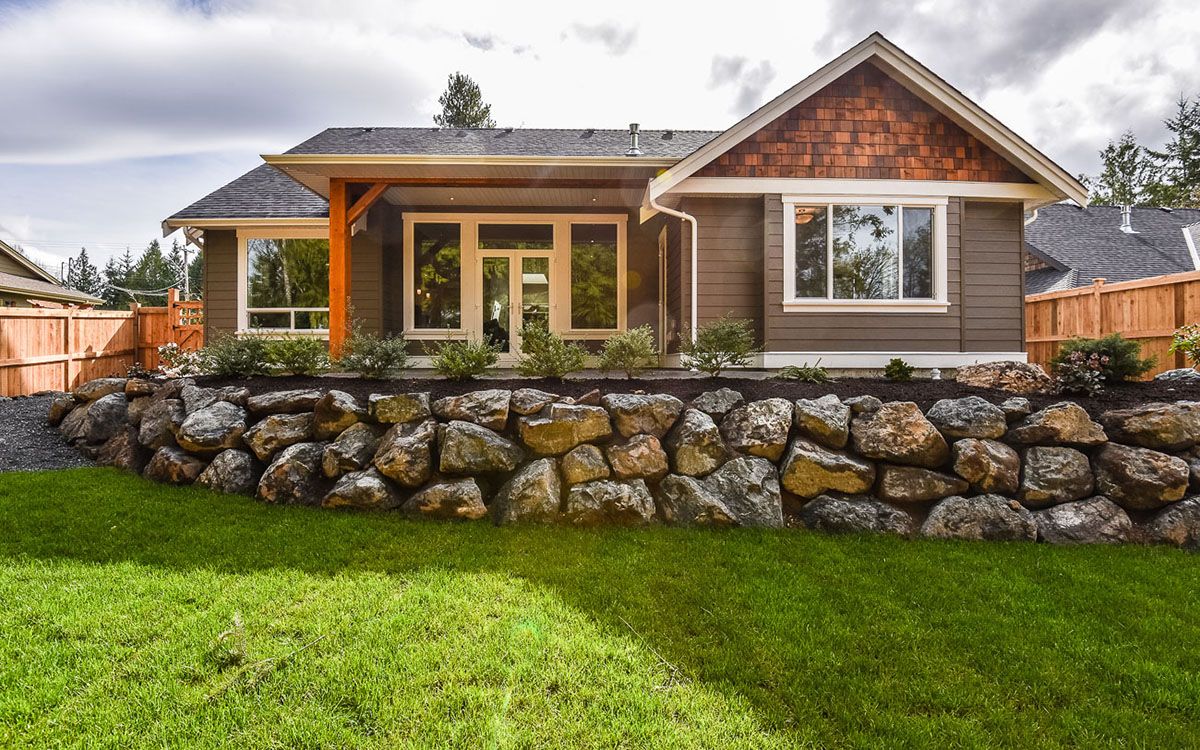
(695,260)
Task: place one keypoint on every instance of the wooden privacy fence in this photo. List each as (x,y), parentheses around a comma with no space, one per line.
(1147,310)
(56,350)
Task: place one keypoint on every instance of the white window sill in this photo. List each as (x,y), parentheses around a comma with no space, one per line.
(867,306)
(436,334)
(317,333)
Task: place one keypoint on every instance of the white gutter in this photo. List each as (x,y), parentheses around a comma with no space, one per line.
(695,248)
(1191,245)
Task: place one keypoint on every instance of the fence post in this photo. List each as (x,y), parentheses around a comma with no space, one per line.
(1097,319)
(173,315)
(136,319)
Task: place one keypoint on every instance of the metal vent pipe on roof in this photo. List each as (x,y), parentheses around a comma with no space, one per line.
(1127,220)
(634,149)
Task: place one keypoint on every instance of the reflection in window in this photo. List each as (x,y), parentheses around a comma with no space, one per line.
(516,236)
(287,283)
(437,267)
(593,276)
(812,237)
(918,253)
(866,252)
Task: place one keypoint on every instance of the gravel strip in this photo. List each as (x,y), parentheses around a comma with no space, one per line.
(27,443)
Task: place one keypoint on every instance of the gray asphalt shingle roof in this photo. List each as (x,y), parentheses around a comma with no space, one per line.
(38,289)
(262,193)
(1088,243)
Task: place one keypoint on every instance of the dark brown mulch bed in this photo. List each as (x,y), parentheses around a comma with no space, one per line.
(687,387)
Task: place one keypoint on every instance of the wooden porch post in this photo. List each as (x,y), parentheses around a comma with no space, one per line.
(339,266)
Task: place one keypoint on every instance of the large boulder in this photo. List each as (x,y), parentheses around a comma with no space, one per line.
(532,495)
(60,406)
(912,484)
(99,388)
(74,424)
(468,448)
(399,408)
(365,490)
(981,518)
(989,465)
(1096,520)
(1179,375)
(213,429)
(195,398)
(1177,524)
(1014,377)
(352,450)
(561,427)
(1162,427)
(609,503)
(824,420)
(749,487)
(160,423)
(687,501)
(718,403)
(856,515)
(1016,408)
(863,404)
(649,414)
(294,477)
(405,454)
(278,431)
(233,472)
(760,428)
(283,402)
(898,432)
(334,412)
(526,401)
(1139,478)
(584,463)
(695,445)
(106,416)
(1054,475)
(969,417)
(1192,457)
(641,457)
(123,451)
(139,387)
(173,466)
(460,499)
(811,469)
(138,408)
(487,408)
(1064,423)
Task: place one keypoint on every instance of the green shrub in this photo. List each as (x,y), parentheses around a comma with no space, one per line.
(1081,373)
(298,355)
(1186,340)
(631,352)
(898,370)
(464,360)
(804,373)
(721,344)
(1124,356)
(372,356)
(545,354)
(230,355)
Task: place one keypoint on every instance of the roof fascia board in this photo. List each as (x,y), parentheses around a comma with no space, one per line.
(1021,191)
(282,160)
(234,223)
(1191,246)
(64,296)
(21,260)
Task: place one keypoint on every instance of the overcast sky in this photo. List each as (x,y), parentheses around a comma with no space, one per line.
(117,114)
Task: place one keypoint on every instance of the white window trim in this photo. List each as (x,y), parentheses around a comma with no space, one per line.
(560,270)
(938,304)
(293,232)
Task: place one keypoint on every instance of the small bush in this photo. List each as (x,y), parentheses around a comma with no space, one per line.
(1081,373)
(298,355)
(547,355)
(175,360)
(372,356)
(805,373)
(631,352)
(721,344)
(1124,356)
(464,360)
(234,356)
(898,370)
(1186,340)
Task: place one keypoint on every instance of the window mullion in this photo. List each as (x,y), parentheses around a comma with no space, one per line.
(899,252)
(829,251)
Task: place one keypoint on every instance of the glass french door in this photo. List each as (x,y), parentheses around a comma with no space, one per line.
(514,291)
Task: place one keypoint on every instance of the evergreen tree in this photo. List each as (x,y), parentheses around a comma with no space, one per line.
(196,276)
(463,106)
(1126,175)
(118,272)
(153,274)
(1178,163)
(83,276)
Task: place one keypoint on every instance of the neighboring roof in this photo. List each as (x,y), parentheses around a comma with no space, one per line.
(37,289)
(1088,243)
(19,258)
(539,142)
(915,76)
(262,193)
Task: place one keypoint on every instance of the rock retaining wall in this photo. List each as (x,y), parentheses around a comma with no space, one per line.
(966,469)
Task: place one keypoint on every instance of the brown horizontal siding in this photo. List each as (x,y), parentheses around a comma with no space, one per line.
(730,261)
(864,125)
(366,274)
(993,277)
(220,282)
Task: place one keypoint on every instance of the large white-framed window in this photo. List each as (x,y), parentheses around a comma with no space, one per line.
(854,253)
(283,280)
(586,255)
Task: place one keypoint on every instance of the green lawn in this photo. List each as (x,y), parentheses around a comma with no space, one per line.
(119,601)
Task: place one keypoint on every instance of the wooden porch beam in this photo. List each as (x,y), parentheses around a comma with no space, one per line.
(339,267)
(361,205)
(508,182)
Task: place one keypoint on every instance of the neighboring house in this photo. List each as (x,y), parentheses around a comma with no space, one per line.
(1068,246)
(24,283)
(868,212)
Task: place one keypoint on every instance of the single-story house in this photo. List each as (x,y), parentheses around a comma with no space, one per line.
(1067,246)
(868,212)
(24,283)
